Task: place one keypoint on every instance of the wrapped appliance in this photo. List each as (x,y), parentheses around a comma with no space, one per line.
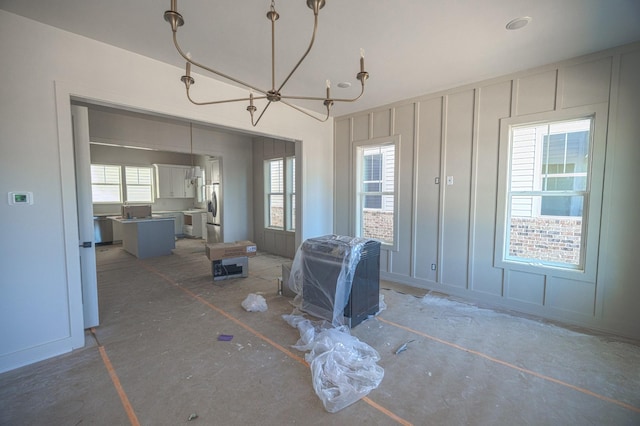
(337,278)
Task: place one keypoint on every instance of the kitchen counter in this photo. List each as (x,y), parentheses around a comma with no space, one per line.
(140,219)
(147,237)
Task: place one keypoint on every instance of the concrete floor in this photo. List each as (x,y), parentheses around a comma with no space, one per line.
(156,360)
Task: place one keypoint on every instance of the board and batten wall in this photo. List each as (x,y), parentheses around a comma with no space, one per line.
(458,133)
(280,242)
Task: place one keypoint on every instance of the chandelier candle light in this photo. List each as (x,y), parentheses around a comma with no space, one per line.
(275,93)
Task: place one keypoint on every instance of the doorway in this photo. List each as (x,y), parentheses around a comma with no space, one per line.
(160,136)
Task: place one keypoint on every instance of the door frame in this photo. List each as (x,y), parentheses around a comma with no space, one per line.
(88,269)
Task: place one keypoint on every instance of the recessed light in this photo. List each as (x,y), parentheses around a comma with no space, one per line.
(344,85)
(518,23)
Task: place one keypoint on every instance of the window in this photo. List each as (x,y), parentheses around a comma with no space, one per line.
(139,184)
(280,193)
(274,181)
(372,180)
(375,192)
(291,193)
(109,185)
(106,184)
(548,192)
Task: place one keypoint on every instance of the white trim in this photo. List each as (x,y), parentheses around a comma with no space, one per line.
(355,173)
(70,216)
(592,214)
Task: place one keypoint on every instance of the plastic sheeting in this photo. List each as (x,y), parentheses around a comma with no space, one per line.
(254,303)
(343,369)
(323,269)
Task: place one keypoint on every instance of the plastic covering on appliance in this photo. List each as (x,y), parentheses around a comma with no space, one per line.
(322,274)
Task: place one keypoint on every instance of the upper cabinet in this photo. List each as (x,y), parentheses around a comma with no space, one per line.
(171,181)
(213,171)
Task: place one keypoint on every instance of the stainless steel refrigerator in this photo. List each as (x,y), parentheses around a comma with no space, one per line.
(214,223)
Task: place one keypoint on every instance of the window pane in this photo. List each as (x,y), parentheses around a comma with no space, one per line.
(372,186)
(276,211)
(290,184)
(372,167)
(277,176)
(293,212)
(561,206)
(373,201)
(139,184)
(138,175)
(139,193)
(377,224)
(105,183)
(555,240)
(105,193)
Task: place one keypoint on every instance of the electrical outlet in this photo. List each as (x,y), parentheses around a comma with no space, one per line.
(433,266)
(449,180)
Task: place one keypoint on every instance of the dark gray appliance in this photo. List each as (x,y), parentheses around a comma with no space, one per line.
(235,267)
(323,259)
(102,230)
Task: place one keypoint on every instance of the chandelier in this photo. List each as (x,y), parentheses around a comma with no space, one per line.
(274,94)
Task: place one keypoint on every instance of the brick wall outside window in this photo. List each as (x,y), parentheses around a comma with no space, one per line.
(546,239)
(378,224)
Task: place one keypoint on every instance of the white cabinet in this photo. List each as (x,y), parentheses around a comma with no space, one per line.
(193,223)
(215,171)
(171,181)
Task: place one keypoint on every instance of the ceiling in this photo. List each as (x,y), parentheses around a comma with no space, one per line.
(412,47)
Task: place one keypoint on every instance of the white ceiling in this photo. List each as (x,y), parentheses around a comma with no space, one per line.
(413,47)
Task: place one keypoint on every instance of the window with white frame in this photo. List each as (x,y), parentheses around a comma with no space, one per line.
(290,178)
(139,184)
(115,184)
(548,192)
(376,192)
(106,183)
(280,193)
(274,186)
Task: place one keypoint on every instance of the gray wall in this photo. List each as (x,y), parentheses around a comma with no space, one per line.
(457,133)
(275,241)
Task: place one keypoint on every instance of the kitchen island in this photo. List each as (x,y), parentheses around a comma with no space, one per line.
(147,237)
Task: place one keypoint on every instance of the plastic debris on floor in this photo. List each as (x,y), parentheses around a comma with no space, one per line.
(343,369)
(403,347)
(254,303)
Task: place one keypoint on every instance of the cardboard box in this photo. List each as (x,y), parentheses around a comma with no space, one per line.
(218,251)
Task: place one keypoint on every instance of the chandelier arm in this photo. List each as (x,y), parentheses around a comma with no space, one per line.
(350,99)
(211,70)
(311,98)
(313,39)
(260,116)
(220,102)
(307,113)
